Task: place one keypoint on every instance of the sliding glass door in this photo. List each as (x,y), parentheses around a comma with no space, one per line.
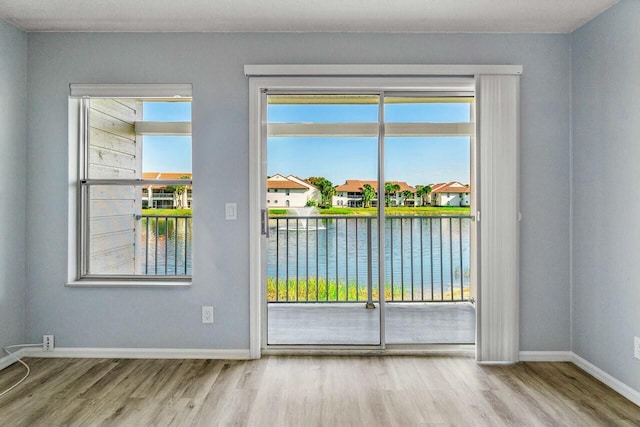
(321,273)
(367,208)
(428,225)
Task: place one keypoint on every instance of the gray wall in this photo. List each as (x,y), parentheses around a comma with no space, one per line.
(606,167)
(13,155)
(213,63)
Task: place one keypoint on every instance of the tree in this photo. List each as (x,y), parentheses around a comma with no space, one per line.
(406,196)
(178,191)
(327,190)
(423,192)
(368,193)
(389,189)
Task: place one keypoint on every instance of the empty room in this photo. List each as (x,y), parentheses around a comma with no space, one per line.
(319,213)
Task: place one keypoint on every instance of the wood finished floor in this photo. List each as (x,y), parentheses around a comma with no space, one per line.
(308,391)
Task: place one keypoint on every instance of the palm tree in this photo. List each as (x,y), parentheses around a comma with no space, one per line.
(406,196)
(423,192)
(178,191)
(390,188)
(368,193)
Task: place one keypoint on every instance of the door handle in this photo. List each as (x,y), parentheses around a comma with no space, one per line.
(264,222)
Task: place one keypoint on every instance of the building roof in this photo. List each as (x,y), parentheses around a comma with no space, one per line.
(356,186)
(434,187)
(166,175)
(281,182)
(451,187)
(304,182)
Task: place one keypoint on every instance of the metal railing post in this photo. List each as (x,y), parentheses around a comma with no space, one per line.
(369,303)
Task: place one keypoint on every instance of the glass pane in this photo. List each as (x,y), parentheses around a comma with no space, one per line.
(427,109)
(167,111)
(138,230)
(114,150)
(428,231)
(163,154)
(126,237)
(322,250)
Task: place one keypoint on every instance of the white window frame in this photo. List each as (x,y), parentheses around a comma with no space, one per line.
(79,182)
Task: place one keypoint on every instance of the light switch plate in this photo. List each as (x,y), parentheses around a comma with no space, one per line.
(230,211)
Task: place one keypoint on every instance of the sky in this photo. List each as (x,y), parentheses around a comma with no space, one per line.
(166,153)
(416,160)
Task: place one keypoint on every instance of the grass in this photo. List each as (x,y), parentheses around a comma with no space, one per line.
(306,291)
(167,212)
(393,211)
(407,211)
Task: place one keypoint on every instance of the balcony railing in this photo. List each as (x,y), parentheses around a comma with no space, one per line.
(165,245)
(160,196)
(334,259)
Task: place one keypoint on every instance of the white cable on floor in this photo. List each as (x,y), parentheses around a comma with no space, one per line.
(18,360)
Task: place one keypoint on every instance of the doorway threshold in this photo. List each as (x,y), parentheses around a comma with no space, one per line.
(428,350)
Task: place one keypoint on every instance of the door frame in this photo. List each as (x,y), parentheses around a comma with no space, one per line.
(257,171)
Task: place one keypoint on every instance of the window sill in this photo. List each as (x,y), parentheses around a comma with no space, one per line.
(128,284)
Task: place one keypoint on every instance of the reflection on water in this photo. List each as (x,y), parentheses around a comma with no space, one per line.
(166,245)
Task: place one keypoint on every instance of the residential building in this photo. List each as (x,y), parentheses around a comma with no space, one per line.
(290,192)
(450,194)
(349,194)
(166,197)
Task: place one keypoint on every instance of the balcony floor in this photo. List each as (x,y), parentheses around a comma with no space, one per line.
(351,323)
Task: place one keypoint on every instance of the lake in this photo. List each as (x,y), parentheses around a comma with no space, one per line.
(427,258)
(168,239)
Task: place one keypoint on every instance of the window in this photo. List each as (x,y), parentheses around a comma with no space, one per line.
(134,182)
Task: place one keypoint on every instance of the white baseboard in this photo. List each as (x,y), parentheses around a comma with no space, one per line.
(142,353)
(614,383)
(7,361)
(546,356)
(588,367)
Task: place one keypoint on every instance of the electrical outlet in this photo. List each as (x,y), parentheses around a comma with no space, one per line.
(207,314)
(47,342)
(636,347)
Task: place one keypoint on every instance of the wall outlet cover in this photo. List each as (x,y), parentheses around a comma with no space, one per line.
(47,342)
(636,347)
(207,314)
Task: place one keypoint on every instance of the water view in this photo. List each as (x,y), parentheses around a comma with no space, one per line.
(166,245)
(334,258)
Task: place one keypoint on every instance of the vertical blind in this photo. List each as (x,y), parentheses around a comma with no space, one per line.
(497,100)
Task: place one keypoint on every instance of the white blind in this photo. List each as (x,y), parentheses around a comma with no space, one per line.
(497,100)
(180,90)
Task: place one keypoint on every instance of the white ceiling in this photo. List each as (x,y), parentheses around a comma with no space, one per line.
(495,16)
